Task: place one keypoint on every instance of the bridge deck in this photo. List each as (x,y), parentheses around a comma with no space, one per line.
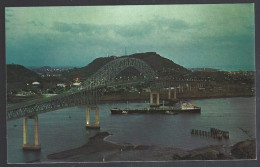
(41,100)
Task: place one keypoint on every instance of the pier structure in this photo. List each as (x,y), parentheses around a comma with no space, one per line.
(163,105)
(174,96)
(152,94)
(88,123)
(200,85)
(36,146)
(215,133)
(169,93)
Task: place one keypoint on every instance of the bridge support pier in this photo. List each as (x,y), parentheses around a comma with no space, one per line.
(174,96)
(169,93)
(152,104)
(36,146)
(96,124)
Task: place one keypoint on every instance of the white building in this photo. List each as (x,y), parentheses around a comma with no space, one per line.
(61,85)
(77,84)
(36,83)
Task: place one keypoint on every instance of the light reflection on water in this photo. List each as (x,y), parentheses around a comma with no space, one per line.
(64,129)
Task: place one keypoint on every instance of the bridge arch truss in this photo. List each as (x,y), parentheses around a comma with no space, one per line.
(109,71)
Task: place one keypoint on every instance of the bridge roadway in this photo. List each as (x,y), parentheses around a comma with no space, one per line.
(65,100)
(87,96)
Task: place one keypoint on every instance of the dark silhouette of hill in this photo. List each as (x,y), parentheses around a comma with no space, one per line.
(161,65)
(88,70)
(18,73)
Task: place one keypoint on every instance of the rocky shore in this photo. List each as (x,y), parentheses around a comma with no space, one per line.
(98,150)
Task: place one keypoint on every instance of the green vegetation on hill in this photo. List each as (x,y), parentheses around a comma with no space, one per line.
(160,64)
(215,83)
(88,70)
(18,73)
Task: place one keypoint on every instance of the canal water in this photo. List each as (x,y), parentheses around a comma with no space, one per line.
(64,129)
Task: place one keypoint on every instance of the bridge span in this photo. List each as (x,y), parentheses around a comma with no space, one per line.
(90,94)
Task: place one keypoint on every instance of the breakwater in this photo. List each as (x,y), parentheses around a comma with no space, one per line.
(214,133)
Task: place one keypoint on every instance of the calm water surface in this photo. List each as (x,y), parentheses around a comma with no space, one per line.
(64,129)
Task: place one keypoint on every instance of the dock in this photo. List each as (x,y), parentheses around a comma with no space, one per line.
(214,133)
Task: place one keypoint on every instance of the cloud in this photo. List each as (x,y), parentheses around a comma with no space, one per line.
(35,23)
(131,30)
(77,28)
(172,25)
(199,37)
(8,15)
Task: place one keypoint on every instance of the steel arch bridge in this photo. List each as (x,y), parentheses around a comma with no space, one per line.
(90,93)
(110,70)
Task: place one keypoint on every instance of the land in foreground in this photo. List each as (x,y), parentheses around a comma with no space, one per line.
(98,150)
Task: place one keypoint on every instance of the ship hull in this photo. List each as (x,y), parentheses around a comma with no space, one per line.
(154,111)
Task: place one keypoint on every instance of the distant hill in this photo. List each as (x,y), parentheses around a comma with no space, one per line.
(18,73)
(48,69)
(88,70)
(41,69)
(161,65)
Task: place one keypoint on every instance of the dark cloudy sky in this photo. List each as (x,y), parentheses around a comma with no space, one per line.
(219,36)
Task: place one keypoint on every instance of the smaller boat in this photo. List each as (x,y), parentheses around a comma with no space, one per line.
(124,112)
(116,111)
(188,107)
(170,112)
(119,111)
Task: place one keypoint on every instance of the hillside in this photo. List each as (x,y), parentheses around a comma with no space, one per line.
(41,69)
(161,65)
(88,70)
(18,73)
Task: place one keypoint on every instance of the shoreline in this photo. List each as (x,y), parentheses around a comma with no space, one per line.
(134,97)
(100,150)
(217,97)
(102,101)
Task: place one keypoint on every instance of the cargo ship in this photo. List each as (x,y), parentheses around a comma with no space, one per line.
(184,108)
